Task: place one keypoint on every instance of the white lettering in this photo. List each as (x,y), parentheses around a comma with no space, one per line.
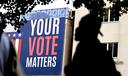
(29,62)
(40,26)
(45,26)
(41,62)
(33,24)
(56,23)
(54,62)
(48,26)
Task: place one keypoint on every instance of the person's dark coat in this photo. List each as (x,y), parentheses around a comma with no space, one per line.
(91,57)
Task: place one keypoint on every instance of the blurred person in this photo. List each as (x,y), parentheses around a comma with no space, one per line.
(91,57)
(8,57)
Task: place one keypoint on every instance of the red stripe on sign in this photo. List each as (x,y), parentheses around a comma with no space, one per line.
(19,49)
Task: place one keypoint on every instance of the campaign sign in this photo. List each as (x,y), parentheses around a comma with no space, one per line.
(42,41)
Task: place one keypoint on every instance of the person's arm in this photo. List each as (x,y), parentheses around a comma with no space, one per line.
(4,52)
(10,66)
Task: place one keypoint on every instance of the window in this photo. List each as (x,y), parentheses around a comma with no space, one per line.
(113,16)
(109,15)
(105,15)
(112,47)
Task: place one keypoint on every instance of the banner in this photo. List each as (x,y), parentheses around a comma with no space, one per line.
(41,42)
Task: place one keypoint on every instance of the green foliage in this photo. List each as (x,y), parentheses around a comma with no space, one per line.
(119,6)
(17,8)
(89,4)
(95,6)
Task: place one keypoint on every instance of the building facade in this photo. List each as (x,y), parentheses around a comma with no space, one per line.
(115,36)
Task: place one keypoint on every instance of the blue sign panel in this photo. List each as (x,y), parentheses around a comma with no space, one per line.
(42,42)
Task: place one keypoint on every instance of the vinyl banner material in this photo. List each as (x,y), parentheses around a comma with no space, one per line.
(41,42)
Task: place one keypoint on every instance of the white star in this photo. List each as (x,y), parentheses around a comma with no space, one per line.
(9,35)
(19,35)
(14,35)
